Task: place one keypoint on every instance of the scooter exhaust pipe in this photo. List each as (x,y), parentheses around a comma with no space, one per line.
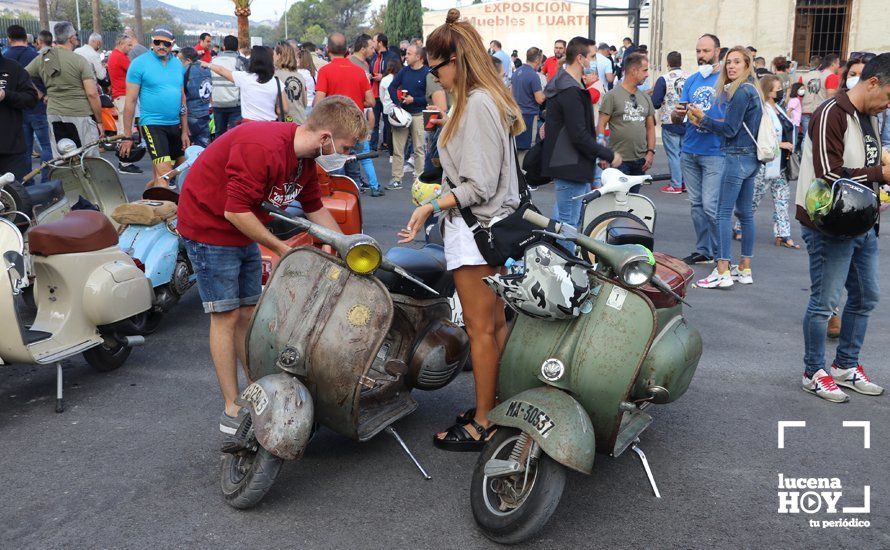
(133,341)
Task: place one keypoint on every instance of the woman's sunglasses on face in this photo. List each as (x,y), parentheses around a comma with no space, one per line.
(434,70)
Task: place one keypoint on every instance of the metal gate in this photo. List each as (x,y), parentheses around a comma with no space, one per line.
(821,27)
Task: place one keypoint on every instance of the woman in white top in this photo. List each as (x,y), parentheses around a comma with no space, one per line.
(389,73)
(306,69)
(261,92)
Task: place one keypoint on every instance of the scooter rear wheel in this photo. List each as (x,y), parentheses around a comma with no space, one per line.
(246,476)
(503,514)
(105,357)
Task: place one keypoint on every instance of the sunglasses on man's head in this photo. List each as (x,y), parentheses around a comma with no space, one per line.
(165,43)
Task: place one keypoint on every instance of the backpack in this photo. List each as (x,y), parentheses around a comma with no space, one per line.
(766,140)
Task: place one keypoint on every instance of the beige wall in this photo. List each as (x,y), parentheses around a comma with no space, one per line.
(767,25)
(521,24)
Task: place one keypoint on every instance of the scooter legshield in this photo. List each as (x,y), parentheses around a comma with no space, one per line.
(555,421)
(282,412)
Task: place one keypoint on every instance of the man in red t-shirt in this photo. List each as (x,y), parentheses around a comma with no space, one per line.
(342,77)
(551,66)
(221,220)
(118,63)
(203,46)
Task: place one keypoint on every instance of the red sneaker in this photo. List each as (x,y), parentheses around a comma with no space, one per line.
(671,190)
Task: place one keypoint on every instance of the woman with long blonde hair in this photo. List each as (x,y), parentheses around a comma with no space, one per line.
(293,83)
(306,69)
(476,153)
(736,87)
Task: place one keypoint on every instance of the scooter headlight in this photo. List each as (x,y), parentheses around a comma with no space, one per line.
(638,270)
(363,258)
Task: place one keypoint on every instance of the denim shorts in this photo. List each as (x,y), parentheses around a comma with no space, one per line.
(229,277)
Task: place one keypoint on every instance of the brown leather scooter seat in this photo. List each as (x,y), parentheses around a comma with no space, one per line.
(78,231)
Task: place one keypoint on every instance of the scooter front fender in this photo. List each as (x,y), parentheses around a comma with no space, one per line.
(555,421)
(282,413)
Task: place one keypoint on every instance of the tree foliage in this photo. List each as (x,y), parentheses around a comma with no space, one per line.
(404,20)
(7,13)
(314,34)
(158,17)
(65,10)
(377,20)
(346,16)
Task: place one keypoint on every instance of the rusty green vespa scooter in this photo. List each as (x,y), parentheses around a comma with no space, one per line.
(571,388)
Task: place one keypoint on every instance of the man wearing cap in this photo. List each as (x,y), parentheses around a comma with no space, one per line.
(156,81)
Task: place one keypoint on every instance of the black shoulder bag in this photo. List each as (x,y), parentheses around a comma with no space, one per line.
(508,237)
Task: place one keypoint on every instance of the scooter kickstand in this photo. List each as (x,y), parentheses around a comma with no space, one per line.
(60,405)
(396,435)
(645,462)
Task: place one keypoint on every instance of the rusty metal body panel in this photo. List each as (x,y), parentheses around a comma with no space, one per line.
(325,324)
(602,352)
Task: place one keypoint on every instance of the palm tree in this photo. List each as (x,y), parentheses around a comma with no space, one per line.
(97,21)
(44,14)
(242,12)
(137,13)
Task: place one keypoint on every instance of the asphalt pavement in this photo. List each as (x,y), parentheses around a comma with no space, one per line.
(133,462)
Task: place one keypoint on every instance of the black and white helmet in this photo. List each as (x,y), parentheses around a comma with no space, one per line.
(553,285)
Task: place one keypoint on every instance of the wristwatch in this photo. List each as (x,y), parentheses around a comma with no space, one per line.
(650,151)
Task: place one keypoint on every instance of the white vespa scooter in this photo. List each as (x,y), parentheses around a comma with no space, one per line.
(70,291)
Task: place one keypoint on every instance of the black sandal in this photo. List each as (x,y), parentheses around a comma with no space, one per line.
(458,439)
(465,417)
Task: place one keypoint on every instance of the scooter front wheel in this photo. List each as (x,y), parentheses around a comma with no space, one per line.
(513,508)
(246,476)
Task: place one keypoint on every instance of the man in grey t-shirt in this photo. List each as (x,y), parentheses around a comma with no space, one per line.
(630,116)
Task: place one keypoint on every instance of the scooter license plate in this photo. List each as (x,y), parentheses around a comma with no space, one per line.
(256,396)
(532,415)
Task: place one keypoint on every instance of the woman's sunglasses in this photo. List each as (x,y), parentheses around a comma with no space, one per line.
(435,69)
(166,43)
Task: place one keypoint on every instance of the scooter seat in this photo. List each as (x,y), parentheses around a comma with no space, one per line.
(629,231)
(427,264)
(78,231)
(45,193)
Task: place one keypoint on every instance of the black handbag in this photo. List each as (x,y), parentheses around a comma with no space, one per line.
(508,237)
(533,164)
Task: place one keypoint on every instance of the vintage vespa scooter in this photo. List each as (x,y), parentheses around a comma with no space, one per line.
(330,344)
(70,291)
(579,384)
(613,200)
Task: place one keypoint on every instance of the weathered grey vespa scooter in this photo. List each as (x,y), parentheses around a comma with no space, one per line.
(579,382)
(331,344)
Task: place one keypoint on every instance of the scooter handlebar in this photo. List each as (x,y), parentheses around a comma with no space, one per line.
(368,155)
(661,177)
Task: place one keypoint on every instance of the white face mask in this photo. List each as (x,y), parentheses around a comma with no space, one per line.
(705,70)
(852,81)
(801,91)
(330,163)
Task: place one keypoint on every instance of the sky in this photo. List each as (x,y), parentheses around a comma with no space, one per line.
(271,9)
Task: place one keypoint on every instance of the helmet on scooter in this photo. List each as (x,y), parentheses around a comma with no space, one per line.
(554,285)
(844,209)
(424,192)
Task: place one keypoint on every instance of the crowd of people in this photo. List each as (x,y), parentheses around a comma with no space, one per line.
(466,116)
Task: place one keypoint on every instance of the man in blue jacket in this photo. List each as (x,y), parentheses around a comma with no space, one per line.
(408,90)
(379,61)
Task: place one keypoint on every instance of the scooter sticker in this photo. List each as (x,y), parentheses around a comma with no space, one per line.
(256,396)
(616,298)
(535,417)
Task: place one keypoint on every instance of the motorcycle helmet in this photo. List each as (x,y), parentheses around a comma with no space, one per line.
(553,285)
(135,155)
(400,118)
(844,209)
(423,192)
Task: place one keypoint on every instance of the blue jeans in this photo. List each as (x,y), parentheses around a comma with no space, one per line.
(567,210)
(672,145)
(633,168)
(702,174)
(835,263)
(199,130)
(229,277)
(353,169)
(226,118)
(36,124)
(737,193)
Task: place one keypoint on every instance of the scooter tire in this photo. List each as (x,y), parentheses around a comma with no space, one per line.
(250,489)
(16,193)
(106,359)
(530,517)
(598,224)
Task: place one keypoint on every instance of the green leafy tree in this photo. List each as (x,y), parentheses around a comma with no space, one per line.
(314,34)
(158,17)
(7,13)
(270,35)
(346,16)
(65,10)
(404,20)
(377,20)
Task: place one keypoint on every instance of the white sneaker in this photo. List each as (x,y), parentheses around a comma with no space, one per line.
(822,385)
(855,379)
(741,276)
(715,280)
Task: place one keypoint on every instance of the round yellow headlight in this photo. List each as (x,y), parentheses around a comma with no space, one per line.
(363,258)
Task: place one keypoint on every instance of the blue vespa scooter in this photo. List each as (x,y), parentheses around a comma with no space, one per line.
(161,250)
